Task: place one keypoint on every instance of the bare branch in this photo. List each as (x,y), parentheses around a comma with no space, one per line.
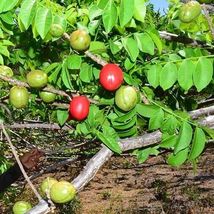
(96,58)
(200,112)
(209,20)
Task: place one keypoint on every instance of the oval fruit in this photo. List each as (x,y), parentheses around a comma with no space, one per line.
(62,192)
(6,71)
(80,40)
(19,96)
(126,98)
(21,207)
(37,79)
(111,77)
(47,97)
(47,184)
(56,30)
(189,11)
(79,107)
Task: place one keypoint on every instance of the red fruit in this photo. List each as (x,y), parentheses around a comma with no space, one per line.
(79,107)
(111,77)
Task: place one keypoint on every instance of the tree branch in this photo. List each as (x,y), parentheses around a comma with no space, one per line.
(200,112)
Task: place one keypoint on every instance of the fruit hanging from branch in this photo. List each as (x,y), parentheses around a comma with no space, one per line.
(80,40)
(56,30)
(6,71)
(21,207)
(79,108)
(37,79)
(47,97)
(189,11)
(111,77)
(18,96)
(62,192)
(47,184)
(126,98)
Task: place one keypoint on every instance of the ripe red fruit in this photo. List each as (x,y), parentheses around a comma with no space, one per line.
(111,77)
(79,107)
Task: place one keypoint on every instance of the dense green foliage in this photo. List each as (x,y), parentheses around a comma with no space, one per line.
(124,32)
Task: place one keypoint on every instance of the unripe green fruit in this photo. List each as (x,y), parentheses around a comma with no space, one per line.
(56,30)
(126,98)
(47,184)
(21,207)
(37,79)
(189,11)
(6,71)
(47,97)
(62,192)
(19,96)
(80,40)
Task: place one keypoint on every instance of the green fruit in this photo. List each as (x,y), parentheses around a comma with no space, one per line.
(126,98)
(80,40)
(47,97)
(37,79)
(47,184)
(21,207)
(19,96)
(62,192)
(56,30)
(189,11)
(6,71)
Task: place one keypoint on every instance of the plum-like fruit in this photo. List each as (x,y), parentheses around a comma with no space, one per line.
(47,97)
(80,40)
(79,108)
(6,71)
(21,207)
(189,11)
(62,192)
(56,30)
(126,98)
(37,79)
(47,184)
(111,77)
(19,96)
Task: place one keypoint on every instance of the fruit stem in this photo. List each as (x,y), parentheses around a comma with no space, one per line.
(66,36)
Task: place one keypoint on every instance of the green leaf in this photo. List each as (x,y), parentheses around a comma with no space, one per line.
(125,126)
(146,110)
(209,131)
(156,39)
(4,51)
(153,75)
(126,11)
(94,11)
(109,16)
(143,155)
(139,10)
(6,5)
(179,158)
(185,137)
(203,73)
(131,47)
(156,120)
(27,12)
(145,43)
(62,117)
(110,142)
(74,61)
(185,73)
(168,75)
(198,144)
(43,21)
(168,141)
(97,47)
(66,77)
(86,74)
(128,133)
(115,46)
(126,117)
(170,124)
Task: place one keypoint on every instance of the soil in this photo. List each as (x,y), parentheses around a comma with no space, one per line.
(123,186)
